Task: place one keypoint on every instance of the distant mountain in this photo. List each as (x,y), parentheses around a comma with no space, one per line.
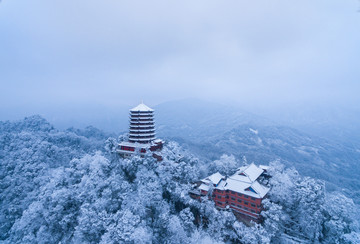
(338,122)
(194,119)
(210,130)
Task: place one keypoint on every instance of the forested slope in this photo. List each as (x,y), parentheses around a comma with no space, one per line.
(71,187)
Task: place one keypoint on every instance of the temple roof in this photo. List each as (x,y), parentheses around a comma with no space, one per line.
(141,108)
(244,181)
(214,178)
(248,173)
(254,189)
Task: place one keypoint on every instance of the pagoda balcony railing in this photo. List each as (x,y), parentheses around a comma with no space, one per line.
(142,115)
(132,124)
(135,120)
(142,132)
(142,128)
(141,141)
(141,137)
(141,112)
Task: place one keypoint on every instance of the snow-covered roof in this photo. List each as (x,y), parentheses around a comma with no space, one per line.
(264,167)
(140,139)
(134,144)
(252,172)
(141,108)
(259,191)
(214,178)
(204,187)
(142,134)
(241,178)
(244,181)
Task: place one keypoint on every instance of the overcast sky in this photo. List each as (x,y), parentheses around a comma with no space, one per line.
(80,53)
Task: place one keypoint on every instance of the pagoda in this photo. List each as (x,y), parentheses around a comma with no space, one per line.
(141,134)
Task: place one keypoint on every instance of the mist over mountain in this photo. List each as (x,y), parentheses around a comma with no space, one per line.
(210,130)
(195,119)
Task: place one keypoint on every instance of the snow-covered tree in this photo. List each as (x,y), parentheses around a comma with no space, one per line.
(72,187)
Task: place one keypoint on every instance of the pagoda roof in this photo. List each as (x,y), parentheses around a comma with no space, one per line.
(134,144)
(141,108)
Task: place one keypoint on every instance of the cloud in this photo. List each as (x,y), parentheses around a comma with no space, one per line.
(119,52)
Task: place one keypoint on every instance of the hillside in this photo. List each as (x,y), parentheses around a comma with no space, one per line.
(70,187)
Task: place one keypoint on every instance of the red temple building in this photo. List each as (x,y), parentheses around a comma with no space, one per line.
(240,192)
(141,134)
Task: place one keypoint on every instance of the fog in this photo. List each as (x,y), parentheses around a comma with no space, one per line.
(85,62)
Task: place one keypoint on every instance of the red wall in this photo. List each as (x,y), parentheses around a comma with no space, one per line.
(239,202)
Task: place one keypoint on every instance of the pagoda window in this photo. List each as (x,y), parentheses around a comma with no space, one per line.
(239,194)
(253,205)
(219,197)
(246,203)
(240,201)
(246,196)
(233,198)
(253,198)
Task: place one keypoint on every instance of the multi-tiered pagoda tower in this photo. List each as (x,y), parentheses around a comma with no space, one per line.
(141,134)
(142,128)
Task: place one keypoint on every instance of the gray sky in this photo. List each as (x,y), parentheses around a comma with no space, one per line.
(59,55)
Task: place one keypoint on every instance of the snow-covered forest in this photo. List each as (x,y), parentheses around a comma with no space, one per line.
(71,187)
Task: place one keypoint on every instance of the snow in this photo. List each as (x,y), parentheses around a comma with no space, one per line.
(260,189)
(132,144)
(239,183)
(215,178)
(142,134)
(254,131)
(240,187)
(252,172)
(59,190)
(264,167)
(241,178)
(204,187)
(141,108)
